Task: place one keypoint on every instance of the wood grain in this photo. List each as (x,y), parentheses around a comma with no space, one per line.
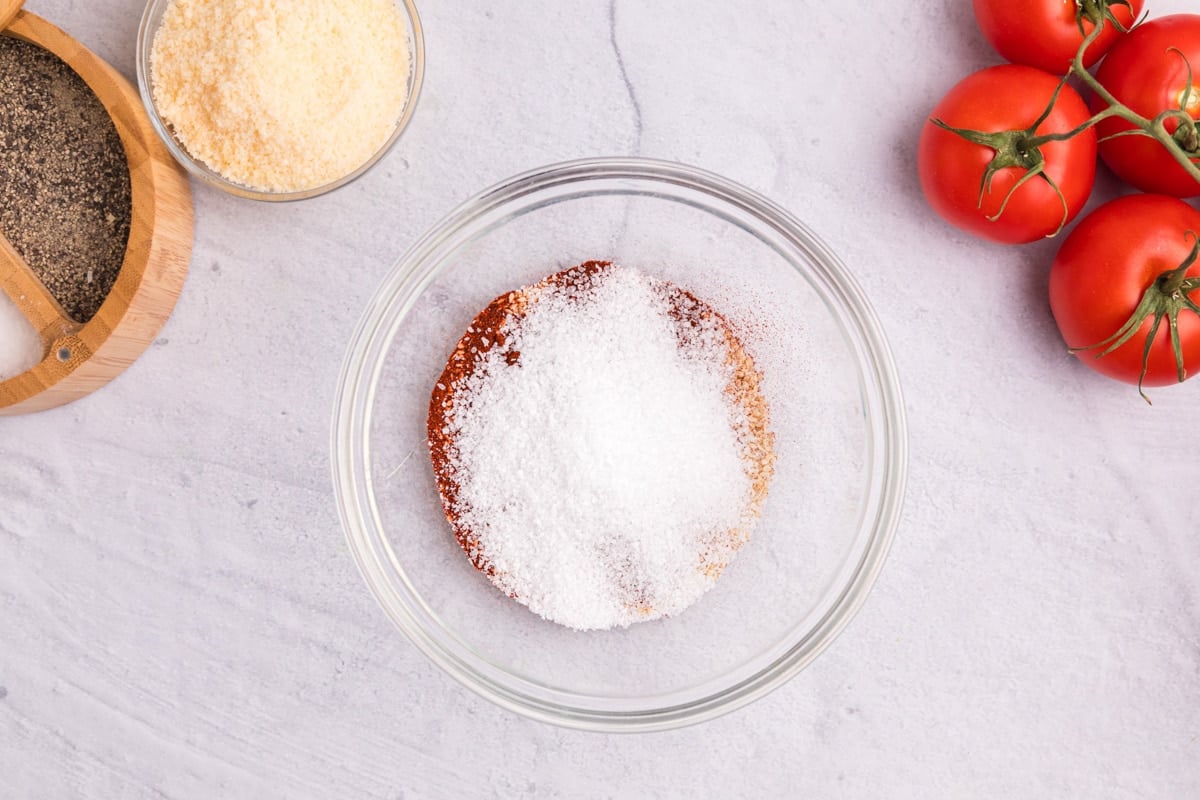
(80,359)
(8,10)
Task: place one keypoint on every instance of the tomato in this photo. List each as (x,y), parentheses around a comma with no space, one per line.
(1145,74)
(1103,270)
(1045,33)
(952,168)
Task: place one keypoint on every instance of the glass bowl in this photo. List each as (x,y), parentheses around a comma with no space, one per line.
(836,410)
(151,20)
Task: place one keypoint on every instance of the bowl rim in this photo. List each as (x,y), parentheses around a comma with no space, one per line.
(145,41)
(354,399)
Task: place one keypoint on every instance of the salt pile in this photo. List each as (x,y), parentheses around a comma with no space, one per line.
(20,347)
(601,460)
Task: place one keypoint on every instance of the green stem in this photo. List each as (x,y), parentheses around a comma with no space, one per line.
(1099,116)
(1172,281)
(1166,296)
(1022,148)
(1153,128)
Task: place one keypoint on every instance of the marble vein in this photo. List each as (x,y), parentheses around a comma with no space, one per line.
(633,97)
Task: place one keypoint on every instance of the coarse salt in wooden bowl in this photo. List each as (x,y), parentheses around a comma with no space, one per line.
(80,357)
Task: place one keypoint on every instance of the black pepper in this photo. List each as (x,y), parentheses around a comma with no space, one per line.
(65,198)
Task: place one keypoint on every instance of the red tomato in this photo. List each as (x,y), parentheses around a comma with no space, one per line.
(952,168)
(1145,74)
(1101,273)
(1045,33)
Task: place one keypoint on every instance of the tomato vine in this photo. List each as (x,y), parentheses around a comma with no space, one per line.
(1022,148)
(1184,144)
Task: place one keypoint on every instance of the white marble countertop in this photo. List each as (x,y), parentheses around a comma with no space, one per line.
(180,617)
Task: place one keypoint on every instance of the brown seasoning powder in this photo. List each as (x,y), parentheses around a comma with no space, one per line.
(65,200)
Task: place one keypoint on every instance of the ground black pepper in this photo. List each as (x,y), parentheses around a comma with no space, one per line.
(65,201)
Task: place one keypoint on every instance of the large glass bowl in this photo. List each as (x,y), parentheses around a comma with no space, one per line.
(836,410)
(152,19)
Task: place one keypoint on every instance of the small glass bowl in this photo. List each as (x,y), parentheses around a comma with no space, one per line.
(836,411)
(152,18)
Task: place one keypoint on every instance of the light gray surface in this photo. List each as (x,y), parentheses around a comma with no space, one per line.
(179,616)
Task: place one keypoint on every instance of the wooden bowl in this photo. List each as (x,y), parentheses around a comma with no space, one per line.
(80,358)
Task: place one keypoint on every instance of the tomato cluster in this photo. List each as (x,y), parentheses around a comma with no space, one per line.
(1010,154)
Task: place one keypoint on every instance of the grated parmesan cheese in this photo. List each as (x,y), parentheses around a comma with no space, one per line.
(281,95)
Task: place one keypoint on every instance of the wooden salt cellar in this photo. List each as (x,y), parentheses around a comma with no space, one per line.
(81,358)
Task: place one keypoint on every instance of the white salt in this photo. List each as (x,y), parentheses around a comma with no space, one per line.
(602,473)
(20,347)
